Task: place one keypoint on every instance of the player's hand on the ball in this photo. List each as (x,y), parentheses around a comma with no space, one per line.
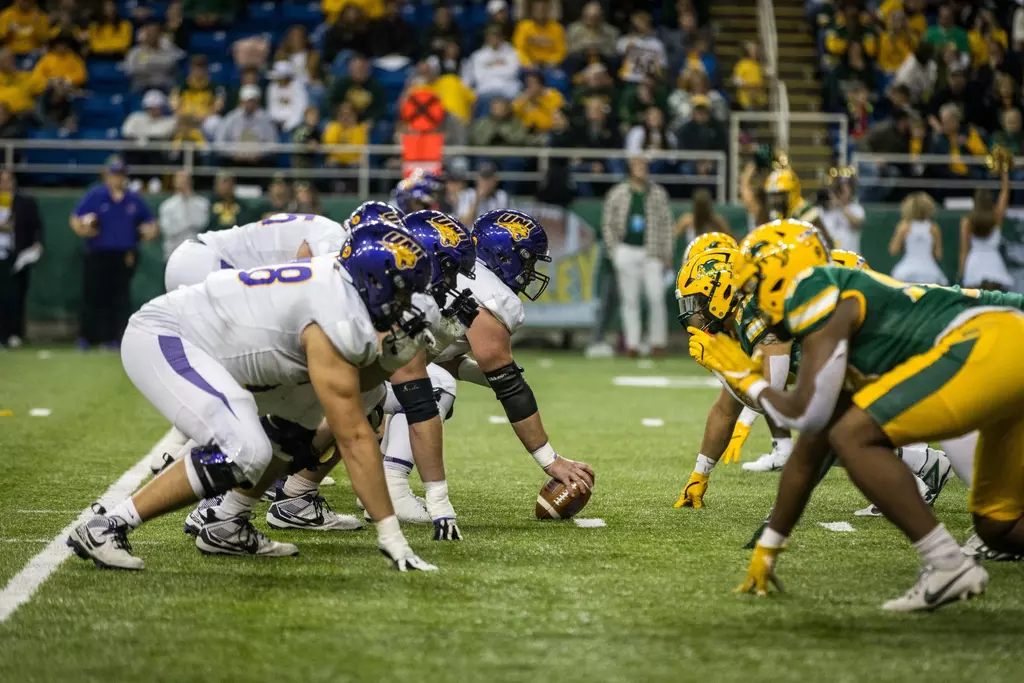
(739,436)
(446,530)
(761,572)
(570,472)
(693,493)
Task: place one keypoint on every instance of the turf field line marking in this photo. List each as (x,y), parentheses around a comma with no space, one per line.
(46,512)
(25,583)
(660,382)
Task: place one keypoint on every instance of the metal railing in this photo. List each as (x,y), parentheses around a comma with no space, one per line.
(778,96)
(872,178)
(202,160)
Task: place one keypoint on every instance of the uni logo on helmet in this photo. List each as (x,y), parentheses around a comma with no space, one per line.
(449,232)
(346,251)
(403,248)
(516,225)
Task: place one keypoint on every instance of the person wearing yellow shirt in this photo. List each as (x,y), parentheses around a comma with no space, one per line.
(372,9)
(198,98)
(748,77)
(539,41)
(345,129)
(61,64)
(536,107)
(896,44)
(15,85)
(985,29)
(956,141)
(913,10)
(24,27)
(110,36)
(851,24)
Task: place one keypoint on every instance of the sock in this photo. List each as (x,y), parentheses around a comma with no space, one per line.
(960,452)
(939,549)
(236,505)
(783,446)
(704,464)
(398,457)
(915,456)
(127,513)
(295,486)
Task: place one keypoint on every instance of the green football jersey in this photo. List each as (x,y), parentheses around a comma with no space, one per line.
(900,320)
(751,330)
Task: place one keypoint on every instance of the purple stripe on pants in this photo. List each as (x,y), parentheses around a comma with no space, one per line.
(224,265)
(174,352)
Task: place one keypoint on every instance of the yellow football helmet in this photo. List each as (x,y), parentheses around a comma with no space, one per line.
(705,288)
(772,273)
(848,259)
(782,189)
(709,240)
(788,231)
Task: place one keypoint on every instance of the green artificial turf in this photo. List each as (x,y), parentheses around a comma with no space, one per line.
(646,598)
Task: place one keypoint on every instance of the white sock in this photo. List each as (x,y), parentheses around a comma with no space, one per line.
(398,457)
(783,446)
(438,504)
(915,457)
(127,513)
(960,452)
(236,505)
(748,416)
(939,549)
(295,486)
(704,464)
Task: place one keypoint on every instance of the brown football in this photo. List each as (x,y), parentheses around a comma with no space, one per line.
(553,501)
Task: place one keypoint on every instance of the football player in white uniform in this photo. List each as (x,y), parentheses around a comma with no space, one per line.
(191,351)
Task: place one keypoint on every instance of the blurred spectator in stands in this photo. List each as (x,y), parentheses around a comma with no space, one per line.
(499,127)
(919,239)
(392,35)
(695,85)
(175,29)
(843,216)
(539,40)
(954,138)
(946,31)
(678,42)
(111,219)
(634,102)
(11,127)
(752,196)
(307,134)
(449,61)
(359,89)
(1002,97)
(593,82)
(643,54)
(493,69)
(307,199)
(537,104)
(442,30)
(985,31)
(457,98)
(251,51)
(110,36)
(24,28)
(226,211)
(486,195)
(701,219)
(998,62)
(278,198)
(345,129)
(498,15)
(913,11)
(1017,28)
(350,33)
(854,68)
(59,76)
(557,185)
(210,14)
(957,92)
(651,134)
(67,18)
(886,137)
(188,130)
(153,63)
(245,77)
(590,31)
(595,130)
(896,43)
(183,215)
(152,124)
(332,9)
(248,123)
(918,73)
(287,97)
(702,133)
(700,57)
(21,234)
(748,77)
(851,26)
(296,50)
(1009,134)
(636,228)
(198,98)
(16,87)
(859,111)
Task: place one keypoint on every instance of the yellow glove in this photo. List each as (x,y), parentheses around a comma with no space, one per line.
(693,493)
(724,356)
(739,436)
(761,571)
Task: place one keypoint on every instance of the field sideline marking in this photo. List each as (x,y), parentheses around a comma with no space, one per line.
(660,382)
(25,583)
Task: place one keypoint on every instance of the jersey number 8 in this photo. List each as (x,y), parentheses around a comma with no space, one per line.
(268,276)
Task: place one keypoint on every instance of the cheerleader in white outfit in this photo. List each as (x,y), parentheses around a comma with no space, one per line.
(919,240)
(981,264)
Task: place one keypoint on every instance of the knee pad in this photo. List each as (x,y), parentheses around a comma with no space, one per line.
(514,393)
(417,399)
(211,473)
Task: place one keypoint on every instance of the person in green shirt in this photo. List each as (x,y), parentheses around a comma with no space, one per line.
(886,364)
(946,31)
(226,210)
(360,90)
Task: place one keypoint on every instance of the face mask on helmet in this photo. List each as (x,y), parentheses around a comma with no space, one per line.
(531,282)
(778,204)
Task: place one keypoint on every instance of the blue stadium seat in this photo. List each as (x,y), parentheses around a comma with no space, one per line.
(267,15)
(212,43)
(223,73)
(391,80)
(101,111)
(307,13)
(557,79)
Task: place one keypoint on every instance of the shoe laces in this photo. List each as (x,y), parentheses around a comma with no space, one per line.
(320,504)
(247,533)
(119,535)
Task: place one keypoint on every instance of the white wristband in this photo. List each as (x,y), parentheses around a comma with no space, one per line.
(756,388)
(704,465)
(545,455)
(748,416)
(772,539)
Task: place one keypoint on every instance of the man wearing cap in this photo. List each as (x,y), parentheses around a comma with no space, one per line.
(111,219)
(247,123)
(287,97)
(486,196)
(149,124)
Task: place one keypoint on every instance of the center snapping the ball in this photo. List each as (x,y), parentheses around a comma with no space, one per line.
(554,501)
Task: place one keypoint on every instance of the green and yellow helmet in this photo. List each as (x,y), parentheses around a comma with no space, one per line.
(705,288)
(709,240)
(771,275)
(849,259)
(782,190)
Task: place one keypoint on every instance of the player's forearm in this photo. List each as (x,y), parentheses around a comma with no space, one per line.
(799,477)
(811,405)
(361,454)
(531,432)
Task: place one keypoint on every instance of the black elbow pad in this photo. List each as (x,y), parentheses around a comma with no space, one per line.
(511,389)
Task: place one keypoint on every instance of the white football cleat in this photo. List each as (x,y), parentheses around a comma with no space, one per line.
(976,548)
(104,540)
(197,518)
(308,511)
(237,536)
(934,475)
(938,587)
(328,481)
(769,462)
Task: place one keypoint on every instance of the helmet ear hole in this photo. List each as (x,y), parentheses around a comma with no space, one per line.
(727,294)
(777,286)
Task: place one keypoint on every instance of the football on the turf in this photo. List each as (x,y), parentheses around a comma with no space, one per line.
(554,502)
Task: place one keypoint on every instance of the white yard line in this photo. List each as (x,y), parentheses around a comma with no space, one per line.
(46,512)
(25,583)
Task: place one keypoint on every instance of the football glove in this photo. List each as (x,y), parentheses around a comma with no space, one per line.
(693,493)
(723,355)
(446,530)
(761,572)
(739,436)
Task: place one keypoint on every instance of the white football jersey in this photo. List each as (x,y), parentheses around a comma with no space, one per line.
(275,239)
(493,295)
(252,321)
